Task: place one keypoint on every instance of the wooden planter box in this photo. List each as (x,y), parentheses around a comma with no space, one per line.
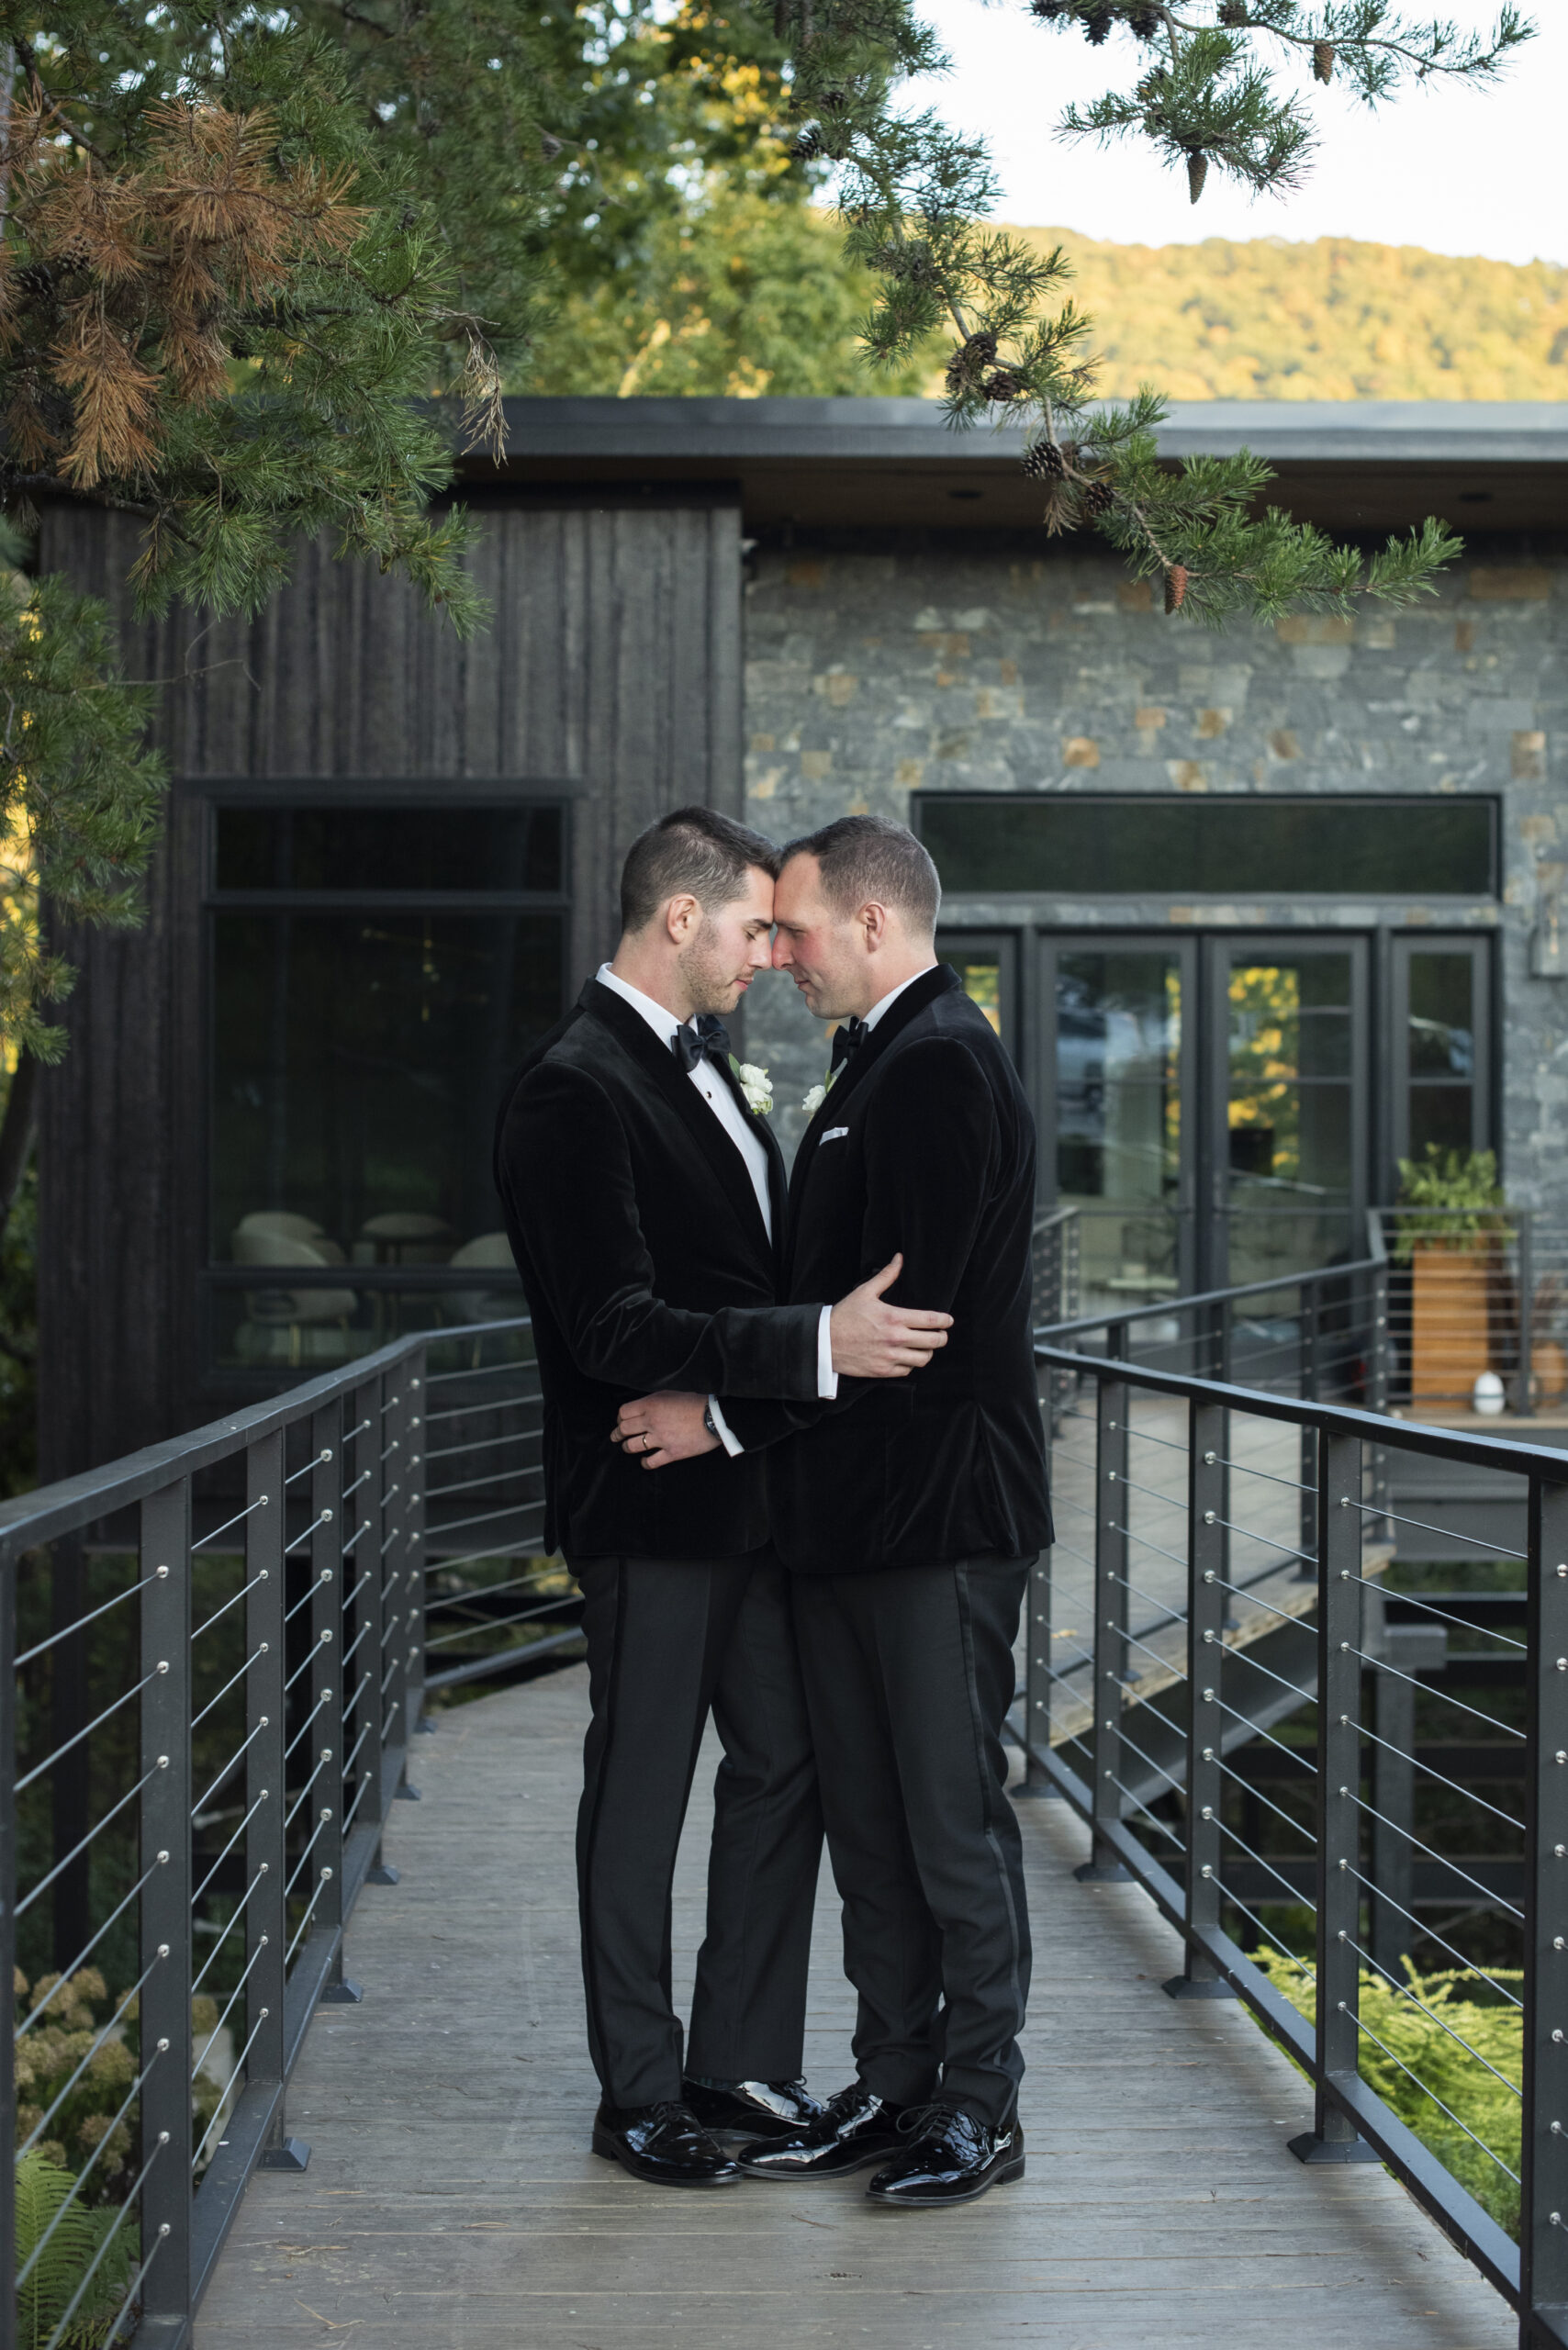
(1449,1344)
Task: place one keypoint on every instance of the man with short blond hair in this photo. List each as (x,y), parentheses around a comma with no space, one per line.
(908,1515)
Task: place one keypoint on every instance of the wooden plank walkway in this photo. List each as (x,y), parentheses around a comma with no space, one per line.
(452,2201)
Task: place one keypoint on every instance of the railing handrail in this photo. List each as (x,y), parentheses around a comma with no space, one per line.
(1334,1420)
(73,1501)
(1123,1315)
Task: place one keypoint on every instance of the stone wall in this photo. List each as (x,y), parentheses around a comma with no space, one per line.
(979,664)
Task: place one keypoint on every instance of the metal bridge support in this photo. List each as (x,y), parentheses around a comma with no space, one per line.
(1102,1867)
(1334,2138)
(1543,2200)
(1200,1979)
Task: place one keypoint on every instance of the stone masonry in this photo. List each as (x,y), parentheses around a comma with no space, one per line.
(976,665)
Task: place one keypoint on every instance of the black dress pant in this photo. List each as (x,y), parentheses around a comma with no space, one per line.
(667,1642)
(909,1673)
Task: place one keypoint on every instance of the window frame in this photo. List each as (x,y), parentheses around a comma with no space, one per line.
(1479,948)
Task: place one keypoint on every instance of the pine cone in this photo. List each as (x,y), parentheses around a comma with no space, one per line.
(1098,497)
(1323,61)
(1003,386)
(1234,13)
(1175,587)
(1043,461)
(807,147)
(969,361)
(1097,24)
(1050,11)
(1144,22)
(831,101)
(1197,171)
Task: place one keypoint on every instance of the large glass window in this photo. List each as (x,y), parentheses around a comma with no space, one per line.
(1290,1109)
(360,1044)
(1439,1052)
(1149,845)
(1117,1117)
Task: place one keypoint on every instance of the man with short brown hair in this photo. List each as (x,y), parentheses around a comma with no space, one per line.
(644,1194)
(908,1515)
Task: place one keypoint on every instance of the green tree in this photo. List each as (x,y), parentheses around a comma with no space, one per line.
(1206,85)
(245,254)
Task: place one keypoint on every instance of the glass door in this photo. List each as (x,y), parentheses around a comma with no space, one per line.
(1118,1043)
(1287,1109)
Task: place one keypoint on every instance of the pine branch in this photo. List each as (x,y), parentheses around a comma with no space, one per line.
(913,198)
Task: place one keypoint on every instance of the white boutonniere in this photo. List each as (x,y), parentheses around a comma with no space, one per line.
(755,1084)
(818,1095)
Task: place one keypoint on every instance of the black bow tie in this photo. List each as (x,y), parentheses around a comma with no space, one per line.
(710,1037)
(848,1038)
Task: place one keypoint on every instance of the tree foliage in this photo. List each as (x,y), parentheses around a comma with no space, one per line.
(1207,87)
(1333,320)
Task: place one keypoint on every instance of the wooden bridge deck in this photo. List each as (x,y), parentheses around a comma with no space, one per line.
(452,2202)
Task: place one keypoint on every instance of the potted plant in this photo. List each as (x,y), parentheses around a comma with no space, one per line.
(1450,1234)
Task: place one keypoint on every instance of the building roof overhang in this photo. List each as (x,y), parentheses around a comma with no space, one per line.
(1370,465)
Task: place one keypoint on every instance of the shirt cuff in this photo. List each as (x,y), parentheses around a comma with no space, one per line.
(727,1435)
(827,1377)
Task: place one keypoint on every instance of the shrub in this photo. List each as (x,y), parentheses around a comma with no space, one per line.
(1401,2038)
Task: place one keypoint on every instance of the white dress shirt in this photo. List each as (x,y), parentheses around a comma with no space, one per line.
(747,1141)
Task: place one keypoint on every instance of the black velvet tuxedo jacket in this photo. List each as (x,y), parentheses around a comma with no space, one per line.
(646,1265)
(924,1143)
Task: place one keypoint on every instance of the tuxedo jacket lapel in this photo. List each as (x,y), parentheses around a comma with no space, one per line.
(914,999)
(633,1032)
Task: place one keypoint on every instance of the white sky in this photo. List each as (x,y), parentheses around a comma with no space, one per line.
(1455,169)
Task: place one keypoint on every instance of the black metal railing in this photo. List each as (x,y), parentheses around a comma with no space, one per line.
(1341,1777)
(213,1656)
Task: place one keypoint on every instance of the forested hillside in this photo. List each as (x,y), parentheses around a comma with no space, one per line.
(740,292)
(1333,320)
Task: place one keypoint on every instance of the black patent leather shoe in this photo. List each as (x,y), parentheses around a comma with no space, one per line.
(949,2157)
(664,2143)
(853,2128)
(753,2108)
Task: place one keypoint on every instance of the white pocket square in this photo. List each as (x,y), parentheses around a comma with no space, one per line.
(832,1134)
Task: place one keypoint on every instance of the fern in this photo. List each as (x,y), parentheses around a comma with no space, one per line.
(43,2191)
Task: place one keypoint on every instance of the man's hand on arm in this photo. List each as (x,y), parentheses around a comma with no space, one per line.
(870,1340)
(874,1340)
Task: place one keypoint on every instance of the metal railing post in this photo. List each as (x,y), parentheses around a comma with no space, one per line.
(1205,1656)
(1036,1674)
(362,1686)
(1333,2138)
(8,1939)
(165,1929)
(69,1782)
(328,1635)
(1524,1403)
(266,1798)
(414,1548)
(1110,1611)
(397,1443)
(1310,1379)
(1543,2201)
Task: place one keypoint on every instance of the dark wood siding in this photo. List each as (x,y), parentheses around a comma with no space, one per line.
(610,674)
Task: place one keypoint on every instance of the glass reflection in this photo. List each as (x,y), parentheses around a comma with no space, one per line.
(1118,1118)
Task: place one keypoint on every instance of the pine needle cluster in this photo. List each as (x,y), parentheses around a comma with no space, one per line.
(1205,89)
